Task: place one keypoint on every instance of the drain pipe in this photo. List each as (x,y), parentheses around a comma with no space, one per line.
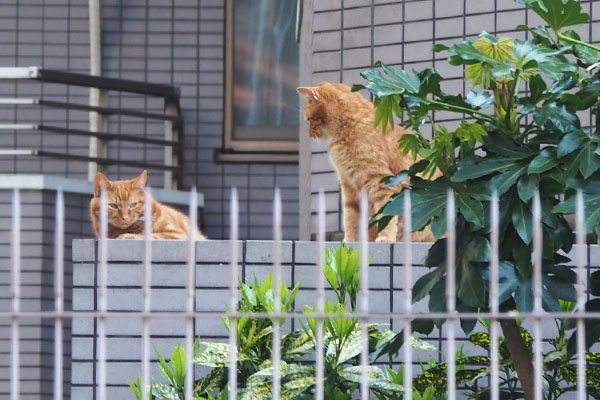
(98,122)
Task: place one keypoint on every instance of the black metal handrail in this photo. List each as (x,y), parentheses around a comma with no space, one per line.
(171,116)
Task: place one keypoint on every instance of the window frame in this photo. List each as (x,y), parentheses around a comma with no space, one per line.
(231,145)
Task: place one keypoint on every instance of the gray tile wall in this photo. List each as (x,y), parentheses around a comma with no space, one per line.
(180,42)
(168,272)
(37,279)
(348,36)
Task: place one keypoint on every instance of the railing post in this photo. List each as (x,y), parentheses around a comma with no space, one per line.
(172,133)
(98,122)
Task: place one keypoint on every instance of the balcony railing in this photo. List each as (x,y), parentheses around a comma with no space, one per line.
(96,157)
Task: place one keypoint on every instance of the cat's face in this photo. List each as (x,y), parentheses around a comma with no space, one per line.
(125,199)
(322,106)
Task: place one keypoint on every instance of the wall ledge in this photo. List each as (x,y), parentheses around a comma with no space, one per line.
(51,182)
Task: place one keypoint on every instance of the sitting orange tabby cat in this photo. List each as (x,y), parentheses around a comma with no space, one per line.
(126,212)
(361,154)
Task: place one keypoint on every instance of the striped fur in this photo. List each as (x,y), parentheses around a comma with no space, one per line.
(361,154)
(126,212)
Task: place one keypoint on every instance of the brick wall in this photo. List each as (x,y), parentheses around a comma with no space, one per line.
(37,287)
(168,271)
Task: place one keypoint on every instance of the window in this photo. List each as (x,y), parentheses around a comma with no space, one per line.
(261,76)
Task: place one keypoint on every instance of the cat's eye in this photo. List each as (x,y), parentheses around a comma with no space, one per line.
(114,205)
(133,205)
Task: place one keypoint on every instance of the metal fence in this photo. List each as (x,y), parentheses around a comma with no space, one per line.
(407,315)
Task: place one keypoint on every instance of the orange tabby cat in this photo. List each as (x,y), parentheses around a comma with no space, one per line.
(126,212)
(361,154)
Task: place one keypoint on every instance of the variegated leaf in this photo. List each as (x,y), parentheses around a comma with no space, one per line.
(297,343)
(353,374)
(163,391)
(259,392)
(301,383)
(351,347)
(421,344)
(214,354)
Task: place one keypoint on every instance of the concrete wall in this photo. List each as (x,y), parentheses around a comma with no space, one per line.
(180,42)
(341,38)
(168,271)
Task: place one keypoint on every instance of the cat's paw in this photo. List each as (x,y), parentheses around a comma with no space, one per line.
(384,239)
(130,236)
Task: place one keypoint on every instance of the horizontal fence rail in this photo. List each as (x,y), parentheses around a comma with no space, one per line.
(364,314)
(97,157)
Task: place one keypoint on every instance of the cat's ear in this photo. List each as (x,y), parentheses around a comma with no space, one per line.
(308,92)
(140,182)
(100,181)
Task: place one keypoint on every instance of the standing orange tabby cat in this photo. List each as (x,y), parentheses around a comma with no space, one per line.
(361,154)
(126,212)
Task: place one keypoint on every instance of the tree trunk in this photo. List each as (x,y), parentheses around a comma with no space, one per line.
(520,357)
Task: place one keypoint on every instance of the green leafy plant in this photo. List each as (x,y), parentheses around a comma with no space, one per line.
(342,345)
(510,141)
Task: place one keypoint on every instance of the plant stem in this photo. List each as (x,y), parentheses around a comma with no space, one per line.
(575,41)
(451,107)
(511,99)
(520,357)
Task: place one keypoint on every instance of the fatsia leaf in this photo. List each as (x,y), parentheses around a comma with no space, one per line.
(480,100)
(592,328)
(543,162)
(590,162)
(503,182)
(500,49)
(527,186)
(471,209)
(470,133)
(480,75)
(503,145)
(560,117)
(410,143)
(425,283)
(558,13)
(467,52)
(569,143)
(524,296)
(484,167)
(537,87)
(472,288)
(521,219)
(394,180)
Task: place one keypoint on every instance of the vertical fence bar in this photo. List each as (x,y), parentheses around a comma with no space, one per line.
(407,286)
(16,295)
(320,287)
(190,289)
(451,294)
(364,295)
(233,281)
(146,282)
(494,301)
(538,365)
(59,294)
(581,260)
(276,354)
(102,303)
